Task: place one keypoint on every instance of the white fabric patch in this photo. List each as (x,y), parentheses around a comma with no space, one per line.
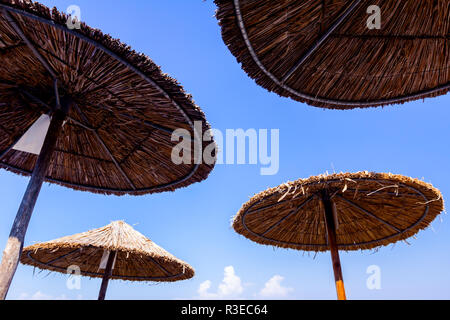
(104,261)
(33,140)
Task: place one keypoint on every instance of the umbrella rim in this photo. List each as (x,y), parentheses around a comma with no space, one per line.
(240,217)
(329,103)
(159,188)
(47,266)
(35,262)
(75,248)
(355,246)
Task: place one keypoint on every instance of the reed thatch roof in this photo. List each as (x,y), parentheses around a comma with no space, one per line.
(373,209)
(324,54)
(138,258)
(118,138)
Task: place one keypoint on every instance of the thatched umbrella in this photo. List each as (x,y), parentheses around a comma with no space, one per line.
(324,53)
(107,114)
(116,251)
(353,211)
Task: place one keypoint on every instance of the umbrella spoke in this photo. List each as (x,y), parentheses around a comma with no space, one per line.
(48,107)
(114,160)
(240,41)
(270,206)
(34,98)
(358,232)
(79,124)
(389,230)
(134,256)
(143,121)
(105,58)
(34,47)
(56,63)
(369,213)
(45,105)
(160,267)
(319,42)
(100,140)
(13,23)
(293,212)
(39,101)
(59,258)
(148,123)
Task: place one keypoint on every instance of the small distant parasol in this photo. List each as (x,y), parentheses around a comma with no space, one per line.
(116,251)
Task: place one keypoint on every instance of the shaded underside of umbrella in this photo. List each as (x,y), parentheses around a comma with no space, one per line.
(137,257)
(117,136)
(324,54)
(371,210)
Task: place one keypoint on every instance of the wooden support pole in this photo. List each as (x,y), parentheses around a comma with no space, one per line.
(107,275)
(332,242)
(14,246)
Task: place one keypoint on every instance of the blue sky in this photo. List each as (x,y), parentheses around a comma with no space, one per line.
(194,223)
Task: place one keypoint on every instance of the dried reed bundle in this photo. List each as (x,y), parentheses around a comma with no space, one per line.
(303,50)
(372,210)
(138,258)
(118,140)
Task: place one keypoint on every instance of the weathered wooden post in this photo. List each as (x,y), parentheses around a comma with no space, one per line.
(14,246)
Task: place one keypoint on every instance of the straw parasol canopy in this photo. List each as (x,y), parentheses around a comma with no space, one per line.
(116,251)
(372,210)
(83,110)
(323,52)
(117,134)
(138,258)
(347,211)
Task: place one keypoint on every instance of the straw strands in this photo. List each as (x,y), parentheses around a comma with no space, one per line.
(407,59)
(138,259)
(117,140)
(373,209)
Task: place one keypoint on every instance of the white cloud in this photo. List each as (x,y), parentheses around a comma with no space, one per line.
(231,286)
(42,296)
(274,289)
(203,290)
(231,283)
(23,296)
